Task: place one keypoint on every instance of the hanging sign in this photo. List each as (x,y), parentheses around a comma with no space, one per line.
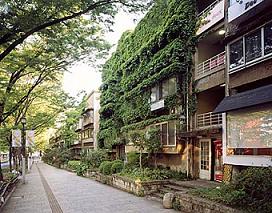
(30,138)
(16,138)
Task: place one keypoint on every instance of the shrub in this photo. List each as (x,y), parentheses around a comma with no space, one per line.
(256,183)
(132,159)
(117,166)
(81,169)
(105,167)
(73,164)
(95,157)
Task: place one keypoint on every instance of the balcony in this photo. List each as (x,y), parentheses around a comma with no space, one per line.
(211,15)
(211,65)
(208,120)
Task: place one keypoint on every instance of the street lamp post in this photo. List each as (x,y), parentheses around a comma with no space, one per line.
(23,121)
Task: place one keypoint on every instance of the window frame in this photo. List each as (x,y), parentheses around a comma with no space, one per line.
(245,64)
(167,144)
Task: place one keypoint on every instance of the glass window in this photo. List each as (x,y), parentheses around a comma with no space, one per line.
(172,133)
(165,88)
(236,54)
(253,46)
(268,39)
(153,94)
(172,86)
(164,134)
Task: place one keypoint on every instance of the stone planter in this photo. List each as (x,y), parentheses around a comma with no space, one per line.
(190,204)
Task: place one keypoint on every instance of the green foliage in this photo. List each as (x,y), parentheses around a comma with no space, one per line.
(251,190)
(132,159)
(57,156)
(105,167)
(95,157)
(73,164)
(81,169)
(147,174)
(117,166)
(160,47)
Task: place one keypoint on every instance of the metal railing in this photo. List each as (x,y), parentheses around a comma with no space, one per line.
(208,119)
(209,8)
(211,65)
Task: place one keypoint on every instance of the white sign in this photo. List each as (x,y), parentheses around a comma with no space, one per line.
(240,7)
(157,105)
(214,15)
(30,138)
(16,138)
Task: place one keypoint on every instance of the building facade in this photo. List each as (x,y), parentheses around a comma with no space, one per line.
(88,126)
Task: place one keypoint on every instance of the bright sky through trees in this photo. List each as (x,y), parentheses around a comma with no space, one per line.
(84,77)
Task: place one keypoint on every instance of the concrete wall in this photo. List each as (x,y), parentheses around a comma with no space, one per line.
(173,161)
(209,99)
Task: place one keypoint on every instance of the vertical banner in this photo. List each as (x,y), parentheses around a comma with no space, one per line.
(16,138)
(30,138)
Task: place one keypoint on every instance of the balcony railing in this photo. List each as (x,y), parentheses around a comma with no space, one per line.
(209,8)
(211,65)
(207,120)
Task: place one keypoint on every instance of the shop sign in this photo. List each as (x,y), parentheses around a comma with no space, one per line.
(211,17)
(240,7)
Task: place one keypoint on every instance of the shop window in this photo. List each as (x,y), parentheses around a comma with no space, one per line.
(268,39)
(253,46)
(236,54)
(250,131)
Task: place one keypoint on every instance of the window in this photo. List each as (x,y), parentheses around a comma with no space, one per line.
(253,46)
(168,133)
(163,89)
(236,54)
(250,131)
(268,39)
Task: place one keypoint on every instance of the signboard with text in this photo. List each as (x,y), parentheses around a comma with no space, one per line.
(16,138)
(240,7)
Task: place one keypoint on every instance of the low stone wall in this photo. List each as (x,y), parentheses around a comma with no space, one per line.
(191,204)
(138,188)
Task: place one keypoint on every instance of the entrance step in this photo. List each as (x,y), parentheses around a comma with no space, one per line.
(175,188)
(156,196)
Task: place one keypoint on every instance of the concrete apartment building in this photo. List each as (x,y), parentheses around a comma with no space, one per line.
(232,126)
(88,126)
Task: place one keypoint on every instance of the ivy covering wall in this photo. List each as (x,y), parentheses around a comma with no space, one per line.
(161,46)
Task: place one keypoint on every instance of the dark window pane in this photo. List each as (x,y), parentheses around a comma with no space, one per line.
(164,134)
(236,54)
(268,39)
(253,46)
(171,132)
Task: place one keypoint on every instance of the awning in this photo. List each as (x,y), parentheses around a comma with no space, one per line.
(249,98)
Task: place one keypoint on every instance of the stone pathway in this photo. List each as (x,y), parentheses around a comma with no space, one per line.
(70,193)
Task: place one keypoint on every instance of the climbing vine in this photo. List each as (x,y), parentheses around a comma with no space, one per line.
(161,46)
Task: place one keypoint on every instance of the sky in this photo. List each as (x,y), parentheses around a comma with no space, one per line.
(84,77)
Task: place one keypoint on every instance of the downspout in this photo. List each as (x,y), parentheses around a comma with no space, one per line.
(187,123)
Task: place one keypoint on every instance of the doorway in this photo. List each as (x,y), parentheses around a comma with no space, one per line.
(205,165)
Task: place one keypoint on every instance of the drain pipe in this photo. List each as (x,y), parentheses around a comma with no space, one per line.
(187,125)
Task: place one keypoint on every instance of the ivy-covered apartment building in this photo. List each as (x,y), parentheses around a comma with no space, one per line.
(201,72)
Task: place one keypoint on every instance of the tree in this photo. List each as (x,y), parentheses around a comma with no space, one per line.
(153,143)
(21,19)
(139,140)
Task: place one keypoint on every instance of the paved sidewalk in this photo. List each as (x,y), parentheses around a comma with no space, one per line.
(73,194)
(29,197)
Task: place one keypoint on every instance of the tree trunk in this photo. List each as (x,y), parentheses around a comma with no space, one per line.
(10,156)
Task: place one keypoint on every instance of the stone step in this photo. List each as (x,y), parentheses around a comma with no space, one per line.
(165,190)
(156,196)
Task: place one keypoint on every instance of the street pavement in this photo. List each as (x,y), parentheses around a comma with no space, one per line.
(49,189)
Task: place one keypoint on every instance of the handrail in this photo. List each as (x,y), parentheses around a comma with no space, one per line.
(209,66)
(208,119)
(209,8)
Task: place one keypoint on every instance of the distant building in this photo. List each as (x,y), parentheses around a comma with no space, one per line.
(88,126)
